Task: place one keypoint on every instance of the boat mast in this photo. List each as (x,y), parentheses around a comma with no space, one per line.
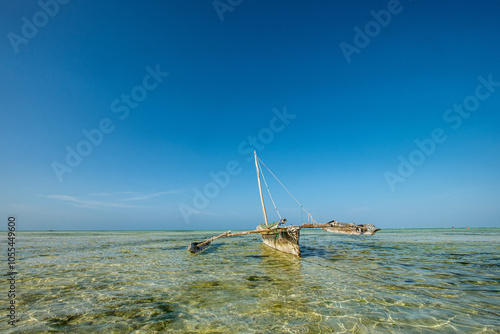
(260,187)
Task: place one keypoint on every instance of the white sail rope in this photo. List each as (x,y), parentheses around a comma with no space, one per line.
(269,192)
(308,214)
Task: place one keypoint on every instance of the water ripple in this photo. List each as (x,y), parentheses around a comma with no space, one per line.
(396,281)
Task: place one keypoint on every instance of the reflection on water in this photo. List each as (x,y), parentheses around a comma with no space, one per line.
(396,281)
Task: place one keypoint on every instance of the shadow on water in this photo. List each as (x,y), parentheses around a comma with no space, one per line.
(310,251)
(286,289)
(256,256)
(269,255)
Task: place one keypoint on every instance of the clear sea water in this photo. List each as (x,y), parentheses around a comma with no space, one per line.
(397,281)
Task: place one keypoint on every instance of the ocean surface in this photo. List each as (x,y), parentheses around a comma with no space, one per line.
(397,281)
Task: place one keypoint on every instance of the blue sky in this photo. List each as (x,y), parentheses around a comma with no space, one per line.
(160,103)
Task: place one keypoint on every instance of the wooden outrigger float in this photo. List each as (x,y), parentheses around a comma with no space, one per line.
(285,238)
(344,228)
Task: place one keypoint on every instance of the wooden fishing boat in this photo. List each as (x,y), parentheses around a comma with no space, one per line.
(345,228)
(280,237)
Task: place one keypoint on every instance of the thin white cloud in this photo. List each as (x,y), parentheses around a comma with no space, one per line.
(115,193)
(148,196)
(114,199)
(88,203)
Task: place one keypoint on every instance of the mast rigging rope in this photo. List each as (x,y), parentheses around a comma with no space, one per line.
(269,192)
(309,215)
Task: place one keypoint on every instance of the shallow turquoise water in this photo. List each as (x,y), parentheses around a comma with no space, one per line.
(397,281)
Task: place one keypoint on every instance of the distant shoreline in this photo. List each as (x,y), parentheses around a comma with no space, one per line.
(208,230)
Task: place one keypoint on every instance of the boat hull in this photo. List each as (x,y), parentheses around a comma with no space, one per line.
(284,239)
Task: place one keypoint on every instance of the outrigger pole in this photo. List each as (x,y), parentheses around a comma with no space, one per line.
(196,247)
